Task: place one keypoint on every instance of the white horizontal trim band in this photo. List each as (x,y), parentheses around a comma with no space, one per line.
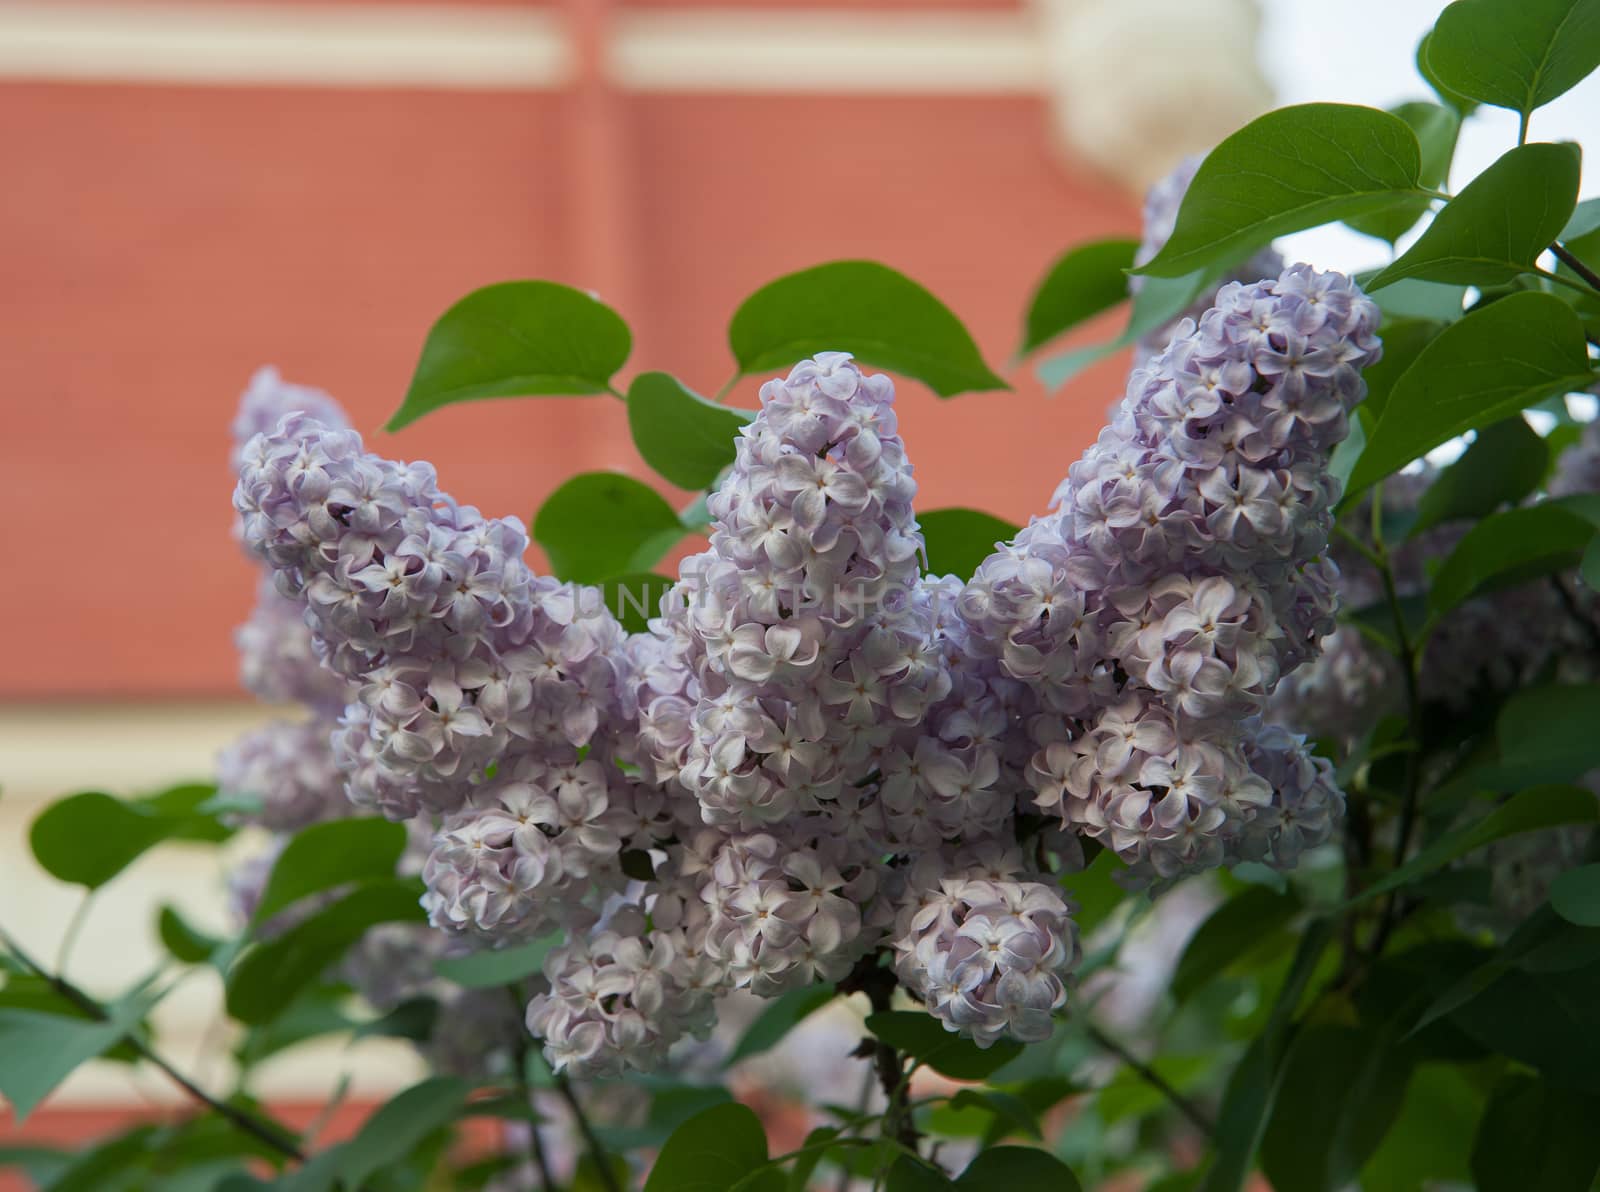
(462,47)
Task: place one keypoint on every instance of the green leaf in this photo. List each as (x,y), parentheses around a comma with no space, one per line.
(1504,464)
(1423,1147)
(1011,1114)
(1094,891)
(186,943)
(516,339)
(1403,341)
(960,539)
(1511,546)
(91,837)
(1529,810)
(38,1050)
(635,599)
(1017,1169)
(1233,931)
(1460,103)
(1498,225)
(1589,565)
(913,1175)
(882,317)
(400,1125)
(1341,1088)
(332,854)
(412,1019)
(486,970)
(1542,1019)
(1247,1101)
(781,1015)
(1292,169)
(813,1150)
(313,1012)
(603,524)
(685,438)
(40,1164)
(1084,281)
(1491,363)
(267,977)
(1517,54)
(710,1152)
(1436,128)
(923,1037)
(1575,895)
(1535,1136)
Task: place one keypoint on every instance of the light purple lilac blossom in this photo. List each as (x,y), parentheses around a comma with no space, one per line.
(817,751)
(1182,574)
(463,657)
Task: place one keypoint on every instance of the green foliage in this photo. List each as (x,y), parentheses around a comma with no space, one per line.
(39,1049)
(1291,169)
(1436,128)
(1499,359)
(1505,463)
(1515,544)
(960,539)
(634,599)
(1083,282)
(92,837)
(1536,1136)
(1498,225)
(685,438)
(1020,1168)
(1339,1091)
(1517,54)
(781,1016)
(923,1038)
(714,1151)
(263,981)
(1526,811)
(186,943)
(516,339)
(503,966)
(603,524)
(1575,895)
(1544,734)
(333,854)
(1248,921)
(867,309)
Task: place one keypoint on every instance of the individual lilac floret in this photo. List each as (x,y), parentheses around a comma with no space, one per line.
(464,657)
(288,767)
(268,398)
(1160,216)
(1181,574)
(987,950)
(616,999)
(278,660)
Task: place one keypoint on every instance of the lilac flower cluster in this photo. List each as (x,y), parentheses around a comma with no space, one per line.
(818,754)
(1182,574)
(462,656)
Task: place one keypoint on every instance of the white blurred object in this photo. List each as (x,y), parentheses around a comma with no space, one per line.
(1137,84)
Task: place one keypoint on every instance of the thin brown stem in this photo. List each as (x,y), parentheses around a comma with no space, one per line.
(240,1119)
(1564,255)
(597,1151)
(1198,1118)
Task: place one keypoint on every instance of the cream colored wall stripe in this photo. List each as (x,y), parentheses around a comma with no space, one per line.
(462,47)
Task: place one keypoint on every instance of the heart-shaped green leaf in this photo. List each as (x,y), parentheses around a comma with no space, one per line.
(516,339)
